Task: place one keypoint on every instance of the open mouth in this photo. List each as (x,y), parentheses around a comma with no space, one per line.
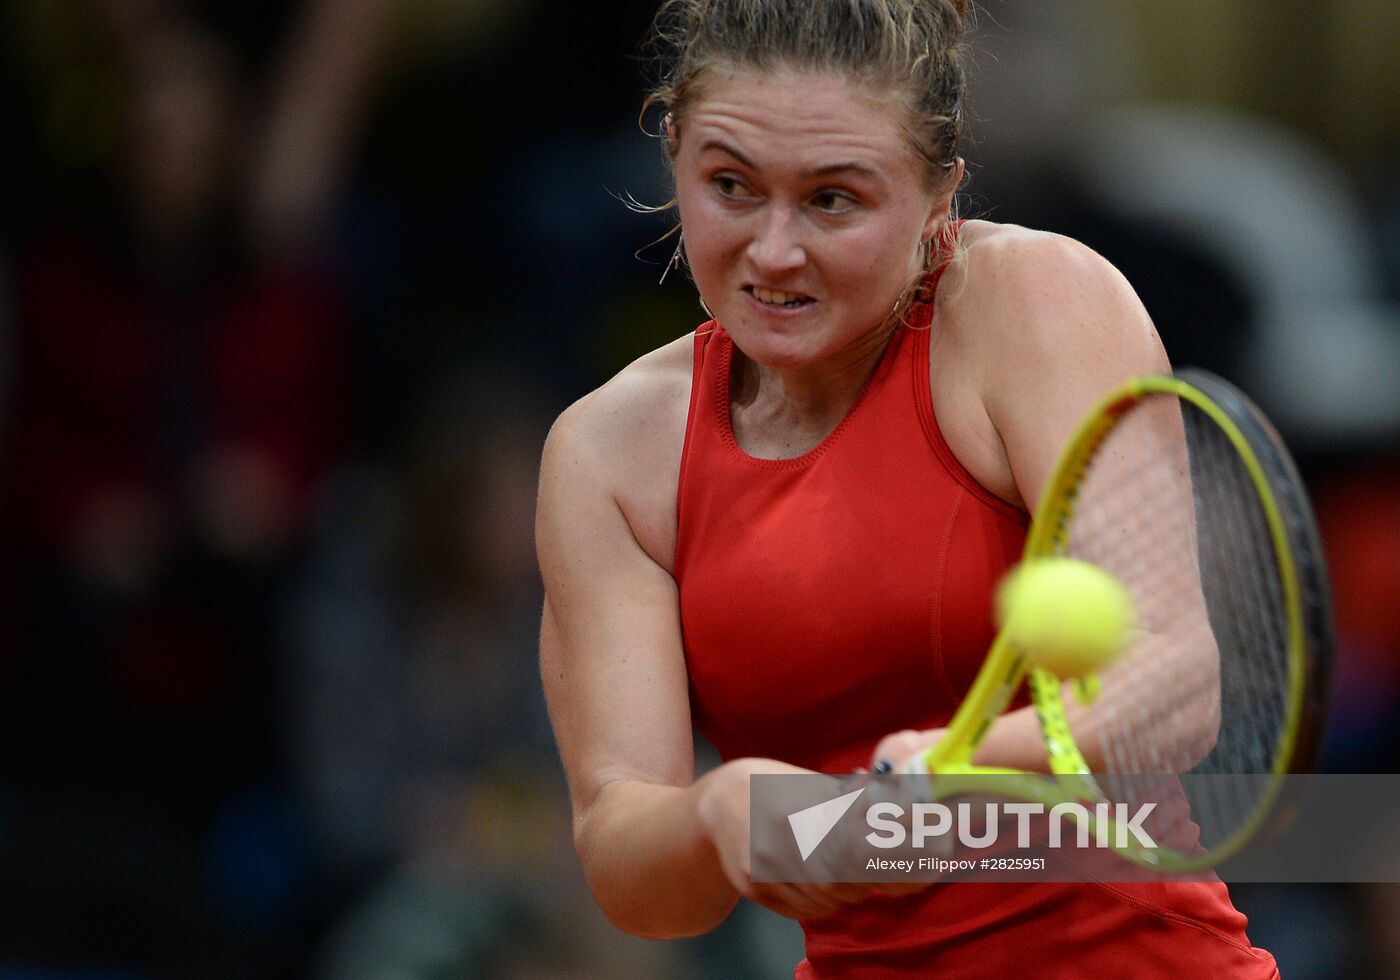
(776,297)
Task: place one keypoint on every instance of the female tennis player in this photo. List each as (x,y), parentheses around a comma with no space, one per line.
(784,529)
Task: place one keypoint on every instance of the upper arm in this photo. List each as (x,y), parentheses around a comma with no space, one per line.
(1069,329)
(610,649)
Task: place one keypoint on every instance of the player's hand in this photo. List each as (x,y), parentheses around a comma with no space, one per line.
(893,751)
(724,814)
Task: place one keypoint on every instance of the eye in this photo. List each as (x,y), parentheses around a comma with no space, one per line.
(731,186)
(833,201)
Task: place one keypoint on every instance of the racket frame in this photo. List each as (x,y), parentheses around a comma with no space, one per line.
(1007,667)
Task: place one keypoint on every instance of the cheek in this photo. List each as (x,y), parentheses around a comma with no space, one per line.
(713,239)
(872,263)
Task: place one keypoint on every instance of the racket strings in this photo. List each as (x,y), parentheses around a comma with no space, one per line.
(1246,601)
(1250,612)
(1169,508)
(1133,519)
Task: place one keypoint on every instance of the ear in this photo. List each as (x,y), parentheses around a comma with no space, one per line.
(942,205)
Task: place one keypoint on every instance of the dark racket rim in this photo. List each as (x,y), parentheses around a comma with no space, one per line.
(1305,545)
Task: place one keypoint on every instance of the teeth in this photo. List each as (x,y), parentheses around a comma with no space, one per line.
(777,297)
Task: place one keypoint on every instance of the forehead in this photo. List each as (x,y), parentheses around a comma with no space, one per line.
(786,115)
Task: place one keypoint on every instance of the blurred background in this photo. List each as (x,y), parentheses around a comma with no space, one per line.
(289,294)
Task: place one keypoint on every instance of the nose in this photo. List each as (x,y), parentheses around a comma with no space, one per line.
(776,247)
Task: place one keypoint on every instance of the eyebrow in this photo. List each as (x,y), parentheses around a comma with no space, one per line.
(834,168)
(726,148)
(822,171)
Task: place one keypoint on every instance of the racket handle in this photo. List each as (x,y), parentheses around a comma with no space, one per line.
(917,764)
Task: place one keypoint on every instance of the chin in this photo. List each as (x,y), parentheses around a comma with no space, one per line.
(782,349)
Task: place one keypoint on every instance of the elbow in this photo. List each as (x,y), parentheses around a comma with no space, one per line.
(654,920)
(647,903)
(644,929)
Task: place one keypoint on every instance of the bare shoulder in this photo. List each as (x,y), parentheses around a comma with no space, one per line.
(629,404)
(1035,291)
(623,441)
(1036,327)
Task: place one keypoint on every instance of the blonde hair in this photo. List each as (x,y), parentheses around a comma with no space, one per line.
(915,48)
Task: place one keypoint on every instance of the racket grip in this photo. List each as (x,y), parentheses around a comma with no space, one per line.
(917,764)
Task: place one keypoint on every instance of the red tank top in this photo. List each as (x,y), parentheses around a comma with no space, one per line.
(833,598)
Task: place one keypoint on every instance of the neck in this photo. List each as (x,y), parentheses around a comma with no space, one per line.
(779,413)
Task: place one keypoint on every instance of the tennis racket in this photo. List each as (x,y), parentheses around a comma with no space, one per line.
(1181,489)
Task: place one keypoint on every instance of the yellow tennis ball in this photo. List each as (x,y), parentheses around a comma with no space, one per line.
(1069,617)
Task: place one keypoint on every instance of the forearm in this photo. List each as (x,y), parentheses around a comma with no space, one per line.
(1014,741)
(1160,712)
(650,862)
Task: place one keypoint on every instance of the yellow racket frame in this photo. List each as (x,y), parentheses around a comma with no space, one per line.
(1006,666)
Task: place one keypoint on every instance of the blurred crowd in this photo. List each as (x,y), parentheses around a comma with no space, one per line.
(289,294)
